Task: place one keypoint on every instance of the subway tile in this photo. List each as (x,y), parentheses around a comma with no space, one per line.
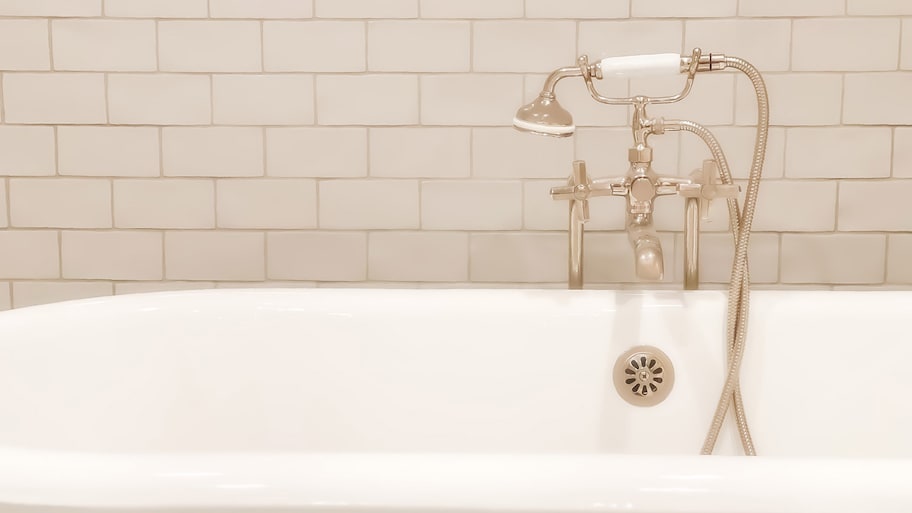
(145,287)
(543,46)
(600,39)
(112,255)
(765,43)
(265,203)
(24,45)
(738,145)
(508,153)
(879,7)
(845,44)
(675,9)
(209,255)
(420,152)
(141,203)
(369,204)
(609,258)
(905,51)
(899,256)
(27,150)
(323,46)
(263,99)
(575,98)
(4,219)
(463,99)
(160,99)
(832,258)
(418,256)
(223,46)
(212,151)
(577,9)
(795,206)
(6,296)
(60,203)
(710,102)
(878,99)
(54,98)
(472,9)
(157,8)
(260,9)
(33,293)
(840,152)
(875,205)
(902,152)
(444,46)
(367,99)
(55,8)
(471,205)
(316,152)
(518,257)
(266,284)
(367,8)
(108,151)
(795,99)
(104,45)
(791,8)
(29,254)
(717,253)
(322,256)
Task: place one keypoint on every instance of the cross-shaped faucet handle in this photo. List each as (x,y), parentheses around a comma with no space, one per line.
(705,186)
(578,189)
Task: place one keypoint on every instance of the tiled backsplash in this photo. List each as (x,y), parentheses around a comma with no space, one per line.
(164,144)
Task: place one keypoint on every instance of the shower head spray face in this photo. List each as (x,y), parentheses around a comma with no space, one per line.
(544,116)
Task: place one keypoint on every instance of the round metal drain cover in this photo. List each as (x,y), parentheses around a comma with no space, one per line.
(644,376)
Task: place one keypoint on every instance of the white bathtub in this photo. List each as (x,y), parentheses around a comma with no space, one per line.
(431,401)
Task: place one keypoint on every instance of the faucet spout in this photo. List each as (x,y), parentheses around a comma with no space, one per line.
(647,248)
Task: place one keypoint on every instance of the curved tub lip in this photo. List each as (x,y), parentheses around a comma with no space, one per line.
(467,482)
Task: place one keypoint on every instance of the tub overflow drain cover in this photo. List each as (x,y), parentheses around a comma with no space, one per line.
(643,376)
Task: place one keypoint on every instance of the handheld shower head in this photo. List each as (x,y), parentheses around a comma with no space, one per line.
(544,116)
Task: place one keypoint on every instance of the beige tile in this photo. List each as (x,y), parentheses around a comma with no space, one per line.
(577,9)
(54,98)
(108,151)
(838,152)
(796,206)
(157,8)
(29,254)
(418,256)
(471,205)
(314,46)
(263,99)
(875,205)
(880,7)
(112,255)
(193,255)
(316,152)
(717,252)
(260,9)
(878,99)
(32,293)
(899,258)
(906,45)
(674,9)
(265,203)
(518,257)
(142,203)
(324,256)
(508,153)
(523,45)
(367,99)
(144,287)
(366,8)
(160,99)
(902,152)
(27,150)
(600,39)
(609,258)
(738,145)
(420,152)
(6,296)
(710,102)
(104,45)
(4,219)
(463,99)
(209,46)
(60,203)
(369,204)
(845,44)
(212,151)
(266,284)
(791,8)
(62,8)
(574,97)
(444,45)
(765,43)
(472,9)
(24,45)
(837,258)
(795,99)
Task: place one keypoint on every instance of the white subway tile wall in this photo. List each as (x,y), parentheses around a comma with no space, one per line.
(151,145)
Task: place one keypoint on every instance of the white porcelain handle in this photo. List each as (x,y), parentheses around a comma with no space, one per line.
(641,65)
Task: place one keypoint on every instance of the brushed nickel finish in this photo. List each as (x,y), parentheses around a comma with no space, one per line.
(644,376)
